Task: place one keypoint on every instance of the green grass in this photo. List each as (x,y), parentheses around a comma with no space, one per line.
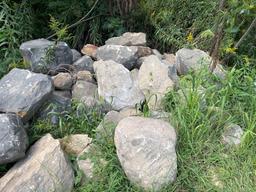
(199,116)
(204,163)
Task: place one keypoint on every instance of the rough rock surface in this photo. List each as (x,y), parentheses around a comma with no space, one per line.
(146,151)
(84,63)
(89,50)
(191,59)
(23,92)
(170,58)
(116,85)
(85,92)
(58,105)
(40,57)
(76,55)
(85,76)
(128,39)
(154,80)
(124,55)
(13,138)
(62,81)
(45,168)
(75,144)
(232,135)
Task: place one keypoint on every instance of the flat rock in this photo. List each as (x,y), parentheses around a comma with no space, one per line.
(191,60)
(146,150)
(116,85)
(23,92)
(45,168)
(128,39)
(155,81)
(44,55)
(124,55)
(13,138)
(62,81)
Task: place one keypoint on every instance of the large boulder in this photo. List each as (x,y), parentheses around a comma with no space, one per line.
(191,60)
(156,78)
(146,150)
(13,138)
(23,92)
(116,85)
(44,169)
(44,55)
(84,63)
(128,39)
(124,55)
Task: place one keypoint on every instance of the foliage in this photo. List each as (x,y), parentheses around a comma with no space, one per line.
(79,120)
(15,27)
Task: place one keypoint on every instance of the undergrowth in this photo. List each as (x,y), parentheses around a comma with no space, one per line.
(200,109)
(199,112)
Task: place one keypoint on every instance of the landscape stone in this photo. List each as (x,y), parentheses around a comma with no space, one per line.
(84,63)
(146,150)
(44,55)
(89,50)
(128,39)
(13,138)
(24,92)
(58,105)
(124,55)
(85,76)
(116,85)
(191,60)
(75,144)
(85,92)
(232,135)
(76,55)
(62,81)
(154,80)
(45,168)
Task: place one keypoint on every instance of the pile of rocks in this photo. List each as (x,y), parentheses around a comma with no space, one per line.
(117,76)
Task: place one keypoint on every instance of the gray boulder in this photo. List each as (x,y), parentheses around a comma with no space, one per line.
(13,138)
(58,105)
(128,39)
(116,85)
(84,63)
(76,55)
(146,150)
(44,55)
(124,55)
(45,168)
(23,92)
(191,60)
